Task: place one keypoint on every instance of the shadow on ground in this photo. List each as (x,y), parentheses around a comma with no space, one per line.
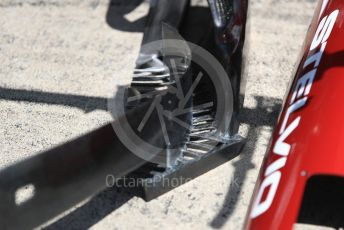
(265,114)
(115,16)
(86,103)
(94,210)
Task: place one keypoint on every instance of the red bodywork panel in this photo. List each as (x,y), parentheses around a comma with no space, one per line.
(309,136)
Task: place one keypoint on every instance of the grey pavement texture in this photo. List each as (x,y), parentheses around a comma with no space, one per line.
(60,60)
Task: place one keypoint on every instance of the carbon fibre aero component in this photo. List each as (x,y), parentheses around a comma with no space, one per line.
(197,154)
(301,178)
(66,175)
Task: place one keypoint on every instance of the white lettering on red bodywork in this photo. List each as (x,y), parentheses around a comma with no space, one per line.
(281,147)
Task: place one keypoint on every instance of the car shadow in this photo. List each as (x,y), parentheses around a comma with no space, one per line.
(95,209)
(115,16)
(265,114)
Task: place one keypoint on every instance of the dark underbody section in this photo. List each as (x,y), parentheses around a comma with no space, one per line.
(186,119)
(322,202)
